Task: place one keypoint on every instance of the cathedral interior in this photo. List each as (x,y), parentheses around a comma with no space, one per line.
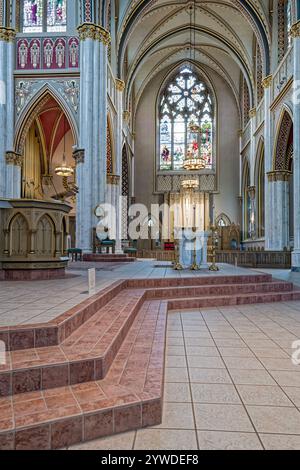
(149,224)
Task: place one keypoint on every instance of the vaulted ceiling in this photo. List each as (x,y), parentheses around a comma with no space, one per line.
(155,34)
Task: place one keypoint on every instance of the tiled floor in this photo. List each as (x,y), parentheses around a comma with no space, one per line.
(229,382)
(40,301)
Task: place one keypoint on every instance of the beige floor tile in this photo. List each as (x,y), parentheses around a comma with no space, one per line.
(274,419)
(236,352)
(209,376)
(205,362)
(294,394)
(280,442)
(263,395)
(222,418)
(203,342)
(247,363)
(224,335)
(175,361)
(173,374)
(215,393)
(208,351)
(177,392)
(280,364)
(230,343)
(174,334)
(286,378)
(175,350)
(196,334)
(118,442)
(270,353)
(261,343)
(177,416)
(165,439)
(251,377)
(214,440)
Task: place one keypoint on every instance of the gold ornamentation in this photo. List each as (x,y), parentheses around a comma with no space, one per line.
(252,113)
(279,175)
(120,85)
(126,116)
(7,34)
(113,180)
(267,81)
(295,30)
(13,158)
(95,32)
(78,156)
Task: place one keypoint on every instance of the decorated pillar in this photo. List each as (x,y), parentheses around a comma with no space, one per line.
(252,116)
(279,187)
(91,171)
(295,34)
(7,37)
(120,86)
(252,192)
(267,85)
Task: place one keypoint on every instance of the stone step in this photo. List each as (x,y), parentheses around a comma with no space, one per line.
(197,280)
(230,300)
(108,258)
(130,396)
(218,289)
(84,356)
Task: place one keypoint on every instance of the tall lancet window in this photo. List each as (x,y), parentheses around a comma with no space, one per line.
(44,16)
(185,99)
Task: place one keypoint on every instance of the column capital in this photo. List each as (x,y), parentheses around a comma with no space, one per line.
(267,81)
(120,84)
(95,32)
(251,190)
(240,133)
(7,34)
(113,180)
(78,156)
(13,158)
(278,175)
(295,30)
(252,113)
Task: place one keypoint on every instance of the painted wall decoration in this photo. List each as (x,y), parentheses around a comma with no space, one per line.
(47,54)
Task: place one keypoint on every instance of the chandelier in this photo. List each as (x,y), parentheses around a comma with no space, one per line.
(192,183)
(64,170)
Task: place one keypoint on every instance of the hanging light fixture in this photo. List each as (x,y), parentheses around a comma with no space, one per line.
(64,170)
(193,160)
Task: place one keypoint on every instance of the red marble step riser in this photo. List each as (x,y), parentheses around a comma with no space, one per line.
(83,428)
(54,333)
(69,373)
(232,301)
(196,281)
(218,290)
(108,259)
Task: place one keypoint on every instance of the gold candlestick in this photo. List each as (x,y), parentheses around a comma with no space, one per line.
(195,266)
(214,267)
(177,266)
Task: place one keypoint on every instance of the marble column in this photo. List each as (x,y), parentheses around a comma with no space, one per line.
(280,187)
(252,155)
(252,192)
(91,171)
(295,34)
(120,87)
(267,85)
(10,176)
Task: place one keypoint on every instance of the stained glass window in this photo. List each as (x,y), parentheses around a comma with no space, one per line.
(56,15)
(33,16)
(185,99)
(44,15)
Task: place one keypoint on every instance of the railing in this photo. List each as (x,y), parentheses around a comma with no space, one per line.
(283,73)
(111,86)
(256,259)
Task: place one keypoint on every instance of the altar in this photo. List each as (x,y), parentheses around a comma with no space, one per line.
(192,247)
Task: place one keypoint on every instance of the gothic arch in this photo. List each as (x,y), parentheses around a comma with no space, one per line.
(223,217)
(285,126)
(32,110)
(18,232)
(260,188)
(45,237)
(110,148)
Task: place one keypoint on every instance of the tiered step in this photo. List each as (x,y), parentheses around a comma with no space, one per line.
(108,258)
(129,397)
(98,369)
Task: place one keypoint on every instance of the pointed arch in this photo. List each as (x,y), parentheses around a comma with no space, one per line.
(260,188)
(110,148)
(283,140)
(246,200)
(32,110)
